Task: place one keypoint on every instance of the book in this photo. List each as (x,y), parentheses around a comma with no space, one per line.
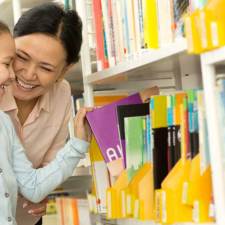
(193,122)
(102,61)
(150,18)
(100,176)
(129,111)
(158,115)
(103,122)
(134,143)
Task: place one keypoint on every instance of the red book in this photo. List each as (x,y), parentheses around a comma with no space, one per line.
(99,30)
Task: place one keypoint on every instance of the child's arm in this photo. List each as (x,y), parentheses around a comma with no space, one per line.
(36,184)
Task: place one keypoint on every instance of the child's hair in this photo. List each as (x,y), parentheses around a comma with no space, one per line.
(3,28)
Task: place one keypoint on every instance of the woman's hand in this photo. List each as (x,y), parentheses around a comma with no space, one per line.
(82,129)
(36,209)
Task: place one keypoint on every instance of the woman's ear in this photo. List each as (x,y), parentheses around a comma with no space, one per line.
(65,70)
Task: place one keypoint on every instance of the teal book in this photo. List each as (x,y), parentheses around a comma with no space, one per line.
(134,142)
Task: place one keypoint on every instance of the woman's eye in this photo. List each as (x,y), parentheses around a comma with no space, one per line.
(7,65)
(21,57)
(46,69)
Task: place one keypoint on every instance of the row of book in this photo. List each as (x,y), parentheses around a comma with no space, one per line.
(125,27)
(62,211)
(205,27)
(157,162)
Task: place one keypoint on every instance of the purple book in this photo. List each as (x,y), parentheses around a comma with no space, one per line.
(104,124)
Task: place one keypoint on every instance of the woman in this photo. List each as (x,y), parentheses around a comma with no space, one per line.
(16,171)
(48,42)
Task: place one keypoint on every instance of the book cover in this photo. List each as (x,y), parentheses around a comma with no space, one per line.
(158,115)
(193,122)
(103,122)
(130,110)
(134,143)
(203,134)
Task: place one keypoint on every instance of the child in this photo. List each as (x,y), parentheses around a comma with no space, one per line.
(16,171)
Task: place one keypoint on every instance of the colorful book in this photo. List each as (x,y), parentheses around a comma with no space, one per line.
(134,143)
(193,122)
(158,115)
(103,122)
(129,111)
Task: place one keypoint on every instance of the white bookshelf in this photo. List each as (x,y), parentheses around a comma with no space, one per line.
(136,222)
(167,55)
(171,59)
(209,62)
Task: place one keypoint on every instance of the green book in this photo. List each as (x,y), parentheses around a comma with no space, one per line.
(134,141)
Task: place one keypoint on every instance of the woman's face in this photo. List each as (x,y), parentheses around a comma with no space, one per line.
(7,54)
(40,61)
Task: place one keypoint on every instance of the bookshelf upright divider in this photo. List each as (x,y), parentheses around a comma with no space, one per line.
(208,63)
(85,53)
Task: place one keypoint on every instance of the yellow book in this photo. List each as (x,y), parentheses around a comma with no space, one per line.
(140,194)
(192,33)
(114,200)
(216,9)
(158,111)
(158,206)
(172,185)
(200,200)
(150,24)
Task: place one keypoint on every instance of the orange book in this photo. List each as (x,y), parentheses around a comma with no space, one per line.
(75,211)
(106,99)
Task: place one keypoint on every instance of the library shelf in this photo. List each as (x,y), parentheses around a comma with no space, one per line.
(76,186)
(160,60)
(136,222)
(215,57)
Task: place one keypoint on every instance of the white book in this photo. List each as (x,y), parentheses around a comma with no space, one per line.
(137,25)
(101,184)
(131,27)
(165,19)
(106,23)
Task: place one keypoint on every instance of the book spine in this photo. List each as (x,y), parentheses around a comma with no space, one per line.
(102,61)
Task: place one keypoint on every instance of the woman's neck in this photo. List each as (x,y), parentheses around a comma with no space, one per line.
(25,108)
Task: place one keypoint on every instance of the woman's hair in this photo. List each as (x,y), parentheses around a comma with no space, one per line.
(4,28)
(51,19)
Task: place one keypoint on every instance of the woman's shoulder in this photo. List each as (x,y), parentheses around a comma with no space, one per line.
(62,89)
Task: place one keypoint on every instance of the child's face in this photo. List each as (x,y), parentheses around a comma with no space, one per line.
(7,53)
